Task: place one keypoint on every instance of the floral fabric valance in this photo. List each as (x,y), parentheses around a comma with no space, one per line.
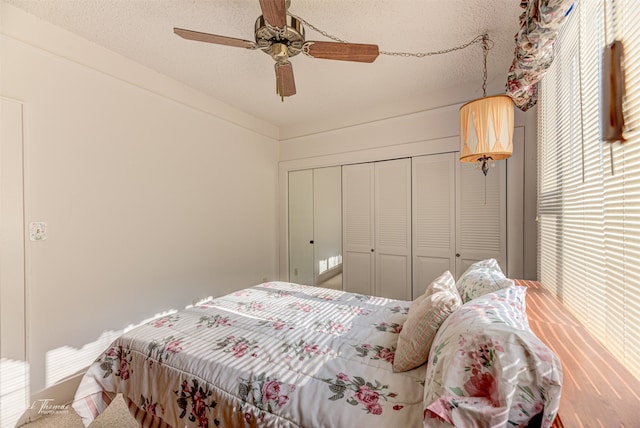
(539,26)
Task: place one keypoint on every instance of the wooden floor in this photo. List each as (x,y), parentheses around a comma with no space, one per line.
(597,390)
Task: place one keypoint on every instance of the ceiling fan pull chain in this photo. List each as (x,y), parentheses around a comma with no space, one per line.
(314,28)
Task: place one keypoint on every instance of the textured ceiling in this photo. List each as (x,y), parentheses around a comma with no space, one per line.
(329,92)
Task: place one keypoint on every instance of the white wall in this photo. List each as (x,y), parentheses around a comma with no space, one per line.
(153,195)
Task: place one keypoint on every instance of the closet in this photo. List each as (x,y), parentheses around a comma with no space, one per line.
(389,228)
(376,213)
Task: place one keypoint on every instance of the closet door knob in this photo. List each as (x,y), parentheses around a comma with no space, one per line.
(311,242)
(457,254)
(372,250)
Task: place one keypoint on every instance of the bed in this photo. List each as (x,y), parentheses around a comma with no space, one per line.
(276,355)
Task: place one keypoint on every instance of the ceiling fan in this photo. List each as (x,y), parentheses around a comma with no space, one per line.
(281,35)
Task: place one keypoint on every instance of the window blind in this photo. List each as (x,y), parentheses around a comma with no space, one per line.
(588,190)
(627,18)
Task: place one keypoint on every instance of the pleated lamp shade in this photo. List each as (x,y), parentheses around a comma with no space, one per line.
(486,129)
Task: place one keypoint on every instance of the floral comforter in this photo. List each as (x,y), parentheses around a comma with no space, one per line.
(277,354)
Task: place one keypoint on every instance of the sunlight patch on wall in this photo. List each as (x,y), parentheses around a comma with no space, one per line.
(67,361)
(14,390)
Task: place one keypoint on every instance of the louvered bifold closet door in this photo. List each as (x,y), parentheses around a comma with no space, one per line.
(481,215)
(433,188)
(358,229)
(393,229)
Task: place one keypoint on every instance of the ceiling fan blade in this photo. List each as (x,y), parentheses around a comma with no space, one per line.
(285,83)
(342,51)
(274,12)
(213,38)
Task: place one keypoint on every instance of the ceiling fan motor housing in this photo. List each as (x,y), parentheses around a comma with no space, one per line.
(291,37)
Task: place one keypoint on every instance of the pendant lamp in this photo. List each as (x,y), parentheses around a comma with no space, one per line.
(486,125)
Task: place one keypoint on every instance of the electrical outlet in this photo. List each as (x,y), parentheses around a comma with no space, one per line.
(38,231)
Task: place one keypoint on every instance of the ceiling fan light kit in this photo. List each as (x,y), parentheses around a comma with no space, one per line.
(290,36)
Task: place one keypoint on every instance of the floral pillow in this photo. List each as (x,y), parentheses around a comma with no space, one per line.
(481,278)
(426,314)
(487,368)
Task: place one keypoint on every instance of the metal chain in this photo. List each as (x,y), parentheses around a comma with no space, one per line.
(485,51)
(324,33)
(484,38)
(477,39)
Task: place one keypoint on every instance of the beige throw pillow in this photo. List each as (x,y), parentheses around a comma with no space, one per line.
(426,314)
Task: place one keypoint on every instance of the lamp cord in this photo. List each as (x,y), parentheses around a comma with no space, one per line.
(486,45)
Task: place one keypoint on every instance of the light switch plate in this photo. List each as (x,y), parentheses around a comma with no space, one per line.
(38,231)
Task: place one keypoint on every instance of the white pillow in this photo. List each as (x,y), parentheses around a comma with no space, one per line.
(481,278)
(488,367)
